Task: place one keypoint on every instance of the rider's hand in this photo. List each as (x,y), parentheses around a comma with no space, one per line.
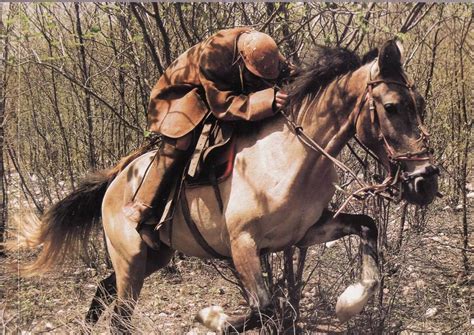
(280,99)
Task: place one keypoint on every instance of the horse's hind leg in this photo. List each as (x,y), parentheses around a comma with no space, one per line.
(355,297)
(132,264)
(129,272)
(105,294)
(107,289)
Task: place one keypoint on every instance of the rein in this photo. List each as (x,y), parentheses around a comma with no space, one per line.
(395,158)
(362,193)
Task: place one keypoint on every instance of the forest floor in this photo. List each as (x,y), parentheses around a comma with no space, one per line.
(423,289)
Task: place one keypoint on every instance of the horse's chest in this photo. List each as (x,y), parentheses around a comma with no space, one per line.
(295,211)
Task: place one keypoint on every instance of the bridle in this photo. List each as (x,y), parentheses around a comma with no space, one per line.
(396,159)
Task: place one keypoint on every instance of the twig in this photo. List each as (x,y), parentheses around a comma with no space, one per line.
(224,276)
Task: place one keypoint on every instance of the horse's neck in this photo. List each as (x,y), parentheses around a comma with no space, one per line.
(276,148)
(328,117)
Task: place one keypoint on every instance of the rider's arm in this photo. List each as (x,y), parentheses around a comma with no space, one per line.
(225,102)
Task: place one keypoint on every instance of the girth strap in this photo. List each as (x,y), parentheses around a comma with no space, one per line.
(215,186)
(194,229)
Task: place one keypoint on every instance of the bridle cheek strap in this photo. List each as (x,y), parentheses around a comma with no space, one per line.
(394,157)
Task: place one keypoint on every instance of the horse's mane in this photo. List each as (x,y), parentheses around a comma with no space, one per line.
(326,64)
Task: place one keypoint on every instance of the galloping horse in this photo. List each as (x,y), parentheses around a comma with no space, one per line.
(277,194)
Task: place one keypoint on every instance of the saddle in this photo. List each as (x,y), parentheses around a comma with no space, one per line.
(210,164)
(213,157)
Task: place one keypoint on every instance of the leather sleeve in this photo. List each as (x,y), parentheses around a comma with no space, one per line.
(225,101)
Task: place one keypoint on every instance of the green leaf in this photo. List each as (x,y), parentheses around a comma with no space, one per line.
(95,29)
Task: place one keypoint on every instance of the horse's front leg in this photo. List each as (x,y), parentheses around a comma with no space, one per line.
(355,297)
(245,255)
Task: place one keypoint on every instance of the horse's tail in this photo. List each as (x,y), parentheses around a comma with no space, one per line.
(65,228)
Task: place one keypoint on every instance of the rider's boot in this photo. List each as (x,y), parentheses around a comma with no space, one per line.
(153,192)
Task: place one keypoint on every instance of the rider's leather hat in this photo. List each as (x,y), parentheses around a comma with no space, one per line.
(260,54)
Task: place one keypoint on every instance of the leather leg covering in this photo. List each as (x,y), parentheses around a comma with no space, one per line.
(153,192)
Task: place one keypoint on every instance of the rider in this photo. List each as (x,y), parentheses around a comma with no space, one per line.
(232,74)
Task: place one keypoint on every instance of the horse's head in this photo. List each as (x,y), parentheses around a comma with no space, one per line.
(389,123)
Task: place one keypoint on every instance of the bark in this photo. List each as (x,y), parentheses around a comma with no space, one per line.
(190,40)
(365,21)
(466,130)
(148,40)
(398,244)
(3,70)
(55,104)
(414,17)
(434,49)
(164,33)
(96,95)
(271,13)
(289,38)
(415,11)
(26,189)
(86,83)
(345,32)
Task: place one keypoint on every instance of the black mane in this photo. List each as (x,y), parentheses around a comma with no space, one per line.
(327,64)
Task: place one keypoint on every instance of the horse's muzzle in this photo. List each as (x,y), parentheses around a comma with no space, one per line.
(420,187)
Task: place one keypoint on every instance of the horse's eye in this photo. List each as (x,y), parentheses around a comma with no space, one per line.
(390,108)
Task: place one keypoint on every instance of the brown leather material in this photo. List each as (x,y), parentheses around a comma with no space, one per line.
(215,157)
(208,77)
(150,198)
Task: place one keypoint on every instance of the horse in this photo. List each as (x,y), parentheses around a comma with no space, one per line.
(276,196)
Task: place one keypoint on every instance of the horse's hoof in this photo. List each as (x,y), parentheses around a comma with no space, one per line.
(213,317)
(352,301)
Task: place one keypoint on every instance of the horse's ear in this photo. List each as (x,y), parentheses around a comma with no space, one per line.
(370,56)
(390,57)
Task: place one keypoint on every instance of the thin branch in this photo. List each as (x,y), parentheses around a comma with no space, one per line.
(89,90)
(146,36)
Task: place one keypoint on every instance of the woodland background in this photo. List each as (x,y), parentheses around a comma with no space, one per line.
(74,88)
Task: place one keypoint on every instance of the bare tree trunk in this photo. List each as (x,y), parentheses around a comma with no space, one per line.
(55,103)
(363,33)
(87,99)
(466,127)
(26,190)
(290,41)
(147,37)
(190,40)
(164,33)
(3,187)
(403,216)
(411,18)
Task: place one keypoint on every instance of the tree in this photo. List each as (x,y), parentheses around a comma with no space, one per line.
(4,48)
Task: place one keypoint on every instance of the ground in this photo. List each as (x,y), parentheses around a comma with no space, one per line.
(423,290)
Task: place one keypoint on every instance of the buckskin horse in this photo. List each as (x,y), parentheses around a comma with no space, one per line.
(277,195)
